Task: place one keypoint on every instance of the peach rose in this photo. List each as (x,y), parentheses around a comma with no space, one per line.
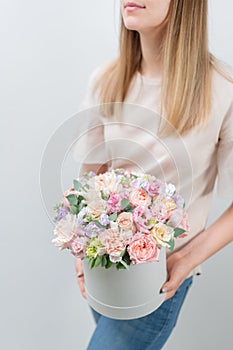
(139,197)
(96,208)
(125,221)
(142,249)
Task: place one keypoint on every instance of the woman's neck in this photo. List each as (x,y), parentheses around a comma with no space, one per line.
(151,64)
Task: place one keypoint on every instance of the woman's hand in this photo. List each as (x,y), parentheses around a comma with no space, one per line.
(80,276)
(178,270)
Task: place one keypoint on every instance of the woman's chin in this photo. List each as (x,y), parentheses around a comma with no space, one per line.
(132,24)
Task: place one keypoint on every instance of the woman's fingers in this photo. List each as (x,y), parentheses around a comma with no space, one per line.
(170,287)
(80,276)
(178,270)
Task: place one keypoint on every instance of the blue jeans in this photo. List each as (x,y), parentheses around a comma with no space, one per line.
(145,333)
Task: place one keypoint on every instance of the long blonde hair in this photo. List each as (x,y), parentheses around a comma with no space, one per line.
(187,67)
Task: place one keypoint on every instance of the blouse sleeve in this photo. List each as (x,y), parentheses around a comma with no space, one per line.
(90,147)
(225,156)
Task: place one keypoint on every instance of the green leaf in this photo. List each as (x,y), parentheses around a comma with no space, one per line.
(130,209)
(86,258)
(92,263)
(103,196)
(171,244)
(126,258)
(72,199)
(113,217)
(125,203)
(109,264)
(104,260)
(86,186)
(99,224)
(77,185)
(74,209)
(178,231)
(80,198)
(119,266)
(97,261)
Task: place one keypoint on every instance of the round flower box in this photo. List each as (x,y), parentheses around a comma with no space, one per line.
(126,294)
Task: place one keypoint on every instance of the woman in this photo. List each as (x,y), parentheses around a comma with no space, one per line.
(164,64)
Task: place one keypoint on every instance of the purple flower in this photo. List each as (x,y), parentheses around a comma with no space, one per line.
(104,220)
(92,230)
(81,215)
(139,183)
(62,212)
(179,200)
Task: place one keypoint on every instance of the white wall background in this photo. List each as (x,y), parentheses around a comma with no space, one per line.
(48,50)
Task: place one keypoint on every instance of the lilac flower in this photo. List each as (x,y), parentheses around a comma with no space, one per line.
(91,174)
(92,230)
(62,212)
(81,215)
(140,183)
(104,220)
(179,200)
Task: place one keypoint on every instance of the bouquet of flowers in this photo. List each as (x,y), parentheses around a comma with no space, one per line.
(119,217)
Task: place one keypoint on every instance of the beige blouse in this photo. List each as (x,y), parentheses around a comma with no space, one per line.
(191,162)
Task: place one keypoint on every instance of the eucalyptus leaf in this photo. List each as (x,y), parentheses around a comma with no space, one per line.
(125,203)
(72,199)
(77,185)
(178,231)
(99,224)
(113,217)
(171,244)
(74,209)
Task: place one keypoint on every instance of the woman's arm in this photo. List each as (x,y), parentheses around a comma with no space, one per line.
(200,248)
(98,169)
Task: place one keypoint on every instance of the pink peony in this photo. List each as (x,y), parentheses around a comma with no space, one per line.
(142,249)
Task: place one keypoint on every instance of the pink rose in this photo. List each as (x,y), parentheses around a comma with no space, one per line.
(142,249)
(139,197)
